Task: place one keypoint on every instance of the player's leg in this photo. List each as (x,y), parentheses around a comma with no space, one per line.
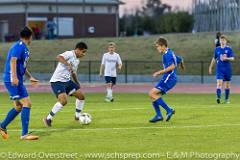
(25,117)
(227,91)
(80,101)
(12,114)
(113,83)
(155,94)
(109,86)
(14,95)
(62,101)
(219,90)
(59,89)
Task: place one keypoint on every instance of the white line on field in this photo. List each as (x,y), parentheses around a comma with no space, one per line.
(135,128)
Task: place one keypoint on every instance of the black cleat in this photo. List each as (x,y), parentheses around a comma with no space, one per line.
(47,122)
(218,101)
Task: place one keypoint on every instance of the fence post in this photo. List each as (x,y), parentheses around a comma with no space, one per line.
(126,72)
(89,71)
(202,72)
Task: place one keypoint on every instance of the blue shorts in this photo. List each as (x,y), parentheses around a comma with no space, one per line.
(225,75)
(64,87)
(110,80)
(166,84)
(16,92)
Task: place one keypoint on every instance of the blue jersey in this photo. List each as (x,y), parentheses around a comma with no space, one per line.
(179,59)
(226,51)
(168,59)
(20,51)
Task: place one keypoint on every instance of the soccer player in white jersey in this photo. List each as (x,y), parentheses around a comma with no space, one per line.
(64,81)
(111,61)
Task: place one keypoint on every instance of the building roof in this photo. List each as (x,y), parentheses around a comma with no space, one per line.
(113,2)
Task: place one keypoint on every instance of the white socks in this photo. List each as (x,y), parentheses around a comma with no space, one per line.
(109,92)
(56,108)
(79,107)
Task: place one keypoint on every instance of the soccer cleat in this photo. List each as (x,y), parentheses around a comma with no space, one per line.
(218,101)
(226,101)
(47,122)
(156,119)
(4,133)
(109,99)
(170,114)
(76,118)
(29,136)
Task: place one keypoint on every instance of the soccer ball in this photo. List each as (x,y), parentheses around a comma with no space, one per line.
(85,118)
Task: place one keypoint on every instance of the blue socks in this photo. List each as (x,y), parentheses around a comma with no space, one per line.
(218,91)
(227,92)
(157,109)
(25,116)
(9,118)
(160,102)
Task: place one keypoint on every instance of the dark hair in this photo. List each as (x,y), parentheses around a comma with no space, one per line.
(218,35)
(162,41)
(26,33)
(81,45)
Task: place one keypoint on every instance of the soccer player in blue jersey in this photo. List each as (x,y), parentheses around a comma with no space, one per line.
(223,55)
(167,82)
(15,69)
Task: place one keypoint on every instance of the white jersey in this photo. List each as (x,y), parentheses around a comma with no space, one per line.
(62,74)
(110,61)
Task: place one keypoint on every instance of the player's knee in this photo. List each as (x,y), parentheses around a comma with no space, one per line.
(63,101)
(27,103)
(151,94)
(18,108)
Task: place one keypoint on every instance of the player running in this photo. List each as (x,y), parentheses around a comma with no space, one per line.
(167,82)
(64,82)
(15,69)
(223,55)
(111,61)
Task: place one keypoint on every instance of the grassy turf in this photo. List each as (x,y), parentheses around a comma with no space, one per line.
(200,125)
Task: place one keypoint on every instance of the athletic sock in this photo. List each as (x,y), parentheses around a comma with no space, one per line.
(25,116)
(79,107)
(9,118)
(56,108)
(227,93)
(157,109)
(163,104)
(218,91)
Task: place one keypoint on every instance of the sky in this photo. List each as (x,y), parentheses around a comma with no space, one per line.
(131,5)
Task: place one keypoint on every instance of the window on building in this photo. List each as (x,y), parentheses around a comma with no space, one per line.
(92,9)
(65,26)
(109,9)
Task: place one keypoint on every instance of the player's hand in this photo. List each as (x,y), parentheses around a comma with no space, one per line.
(70,68)
(33,81)
(223,57)
(210,71)
(155,74)
(15,81)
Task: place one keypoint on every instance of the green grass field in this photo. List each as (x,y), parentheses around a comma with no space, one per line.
(200,125)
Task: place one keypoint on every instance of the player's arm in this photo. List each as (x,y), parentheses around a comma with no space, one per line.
(211,65)
(102,66)
(13,67)
(180,62)
(75,79)
(62,60)
(101,70)
(33,80)
(168,69)
(119,63)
